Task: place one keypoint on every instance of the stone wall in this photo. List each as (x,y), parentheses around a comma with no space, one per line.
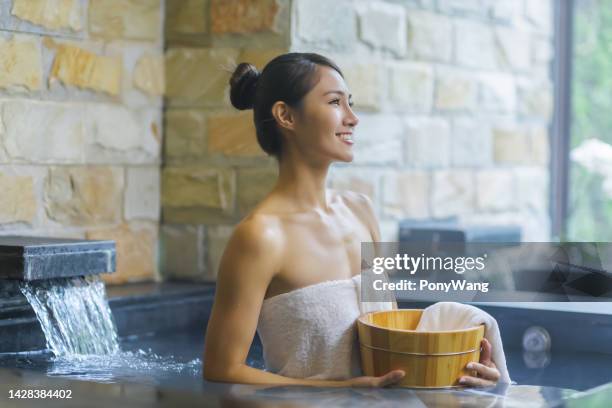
(214,171)
(81,92)
(454,97)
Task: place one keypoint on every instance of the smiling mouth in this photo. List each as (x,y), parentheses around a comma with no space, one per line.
(346,138)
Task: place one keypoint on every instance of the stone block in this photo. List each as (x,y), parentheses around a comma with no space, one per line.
(532,189)
(535,99)
(197,215)
(197,187)
(505,11)
(143,78)
(129,19)
(232,134)
(182,251)
(187,16)
(259,57)
(510,144)
(142,193)
(243,16)
(383,26)
(136,246)
(475,45)
(496,190)
(540,14)
(452,192)
(365,84)
(428,142)
(253,184)
(18,199)
(378,140)
(75,66)
(149,75)
(84,196)
(540,145)
(542,50)
(51,14)
(217,238)
(411,87)
(121,135)
(185,133)
(455,90)
(416,4)
(334,28)
(199,77)
(470,8)
(21,66)
(471,143)
(497,93)
(430,36)
(58,137)
(406,194)
(512,49)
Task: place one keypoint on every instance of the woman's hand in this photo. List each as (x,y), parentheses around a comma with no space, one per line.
(392,377)
(487,373)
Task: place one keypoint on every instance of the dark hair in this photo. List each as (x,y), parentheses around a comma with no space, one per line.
(287,78)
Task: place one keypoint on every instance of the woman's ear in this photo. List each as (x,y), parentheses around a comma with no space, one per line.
(284,115)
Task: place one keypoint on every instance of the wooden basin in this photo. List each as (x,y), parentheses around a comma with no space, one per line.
(388,341)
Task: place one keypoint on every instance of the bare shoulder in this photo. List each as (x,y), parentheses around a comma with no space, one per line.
(260,233)
(252,256)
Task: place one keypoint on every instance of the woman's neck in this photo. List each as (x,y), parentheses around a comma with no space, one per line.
(303,185)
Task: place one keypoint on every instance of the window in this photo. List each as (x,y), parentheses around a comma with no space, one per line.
(582,147)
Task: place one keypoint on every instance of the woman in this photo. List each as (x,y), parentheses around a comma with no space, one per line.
(303,240)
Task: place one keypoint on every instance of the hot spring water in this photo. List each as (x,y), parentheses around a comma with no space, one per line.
(81,334)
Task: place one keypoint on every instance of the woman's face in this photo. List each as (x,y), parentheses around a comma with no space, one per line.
(325,123)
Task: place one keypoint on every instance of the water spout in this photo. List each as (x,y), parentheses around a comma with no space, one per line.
(37,258)
(58,278)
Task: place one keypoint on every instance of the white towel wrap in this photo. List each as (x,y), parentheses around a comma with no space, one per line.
(311,332)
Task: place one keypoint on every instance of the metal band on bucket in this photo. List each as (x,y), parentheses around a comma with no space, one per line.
(419,354)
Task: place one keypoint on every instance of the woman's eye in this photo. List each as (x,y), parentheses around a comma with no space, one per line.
(337,102)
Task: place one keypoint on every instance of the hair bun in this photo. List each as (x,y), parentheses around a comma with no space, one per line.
(242,86)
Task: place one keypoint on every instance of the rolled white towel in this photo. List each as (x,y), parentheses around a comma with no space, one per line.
(456,316)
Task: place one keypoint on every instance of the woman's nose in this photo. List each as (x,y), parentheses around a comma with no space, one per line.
(351,119)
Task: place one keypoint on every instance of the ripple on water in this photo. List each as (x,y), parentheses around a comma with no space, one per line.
(140,366)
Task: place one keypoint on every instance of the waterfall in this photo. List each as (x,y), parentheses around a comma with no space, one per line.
(81,333)
(74,315)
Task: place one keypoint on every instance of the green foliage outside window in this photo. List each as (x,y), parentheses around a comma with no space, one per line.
(590,203)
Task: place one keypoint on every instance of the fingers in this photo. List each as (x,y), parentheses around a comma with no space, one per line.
(485,354)
(475,382)
(390,378)
(486,372)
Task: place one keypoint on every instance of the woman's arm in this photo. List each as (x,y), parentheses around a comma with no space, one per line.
(250,261)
